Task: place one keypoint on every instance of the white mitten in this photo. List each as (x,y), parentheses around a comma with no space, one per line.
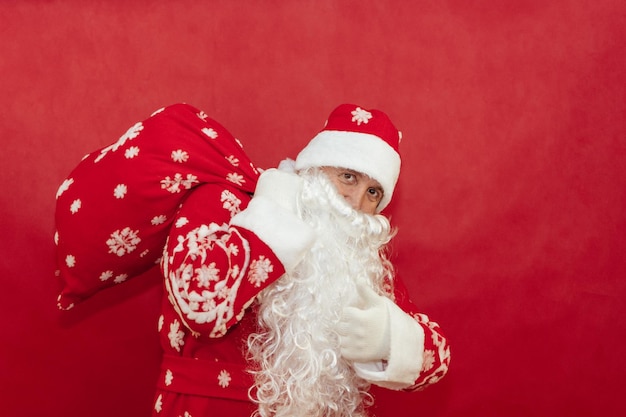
(280,187)
(272,216)
(364,329)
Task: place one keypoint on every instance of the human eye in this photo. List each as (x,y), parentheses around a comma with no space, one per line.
(347,177)
(374,194)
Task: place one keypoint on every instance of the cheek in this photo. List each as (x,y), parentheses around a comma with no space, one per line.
(369,207)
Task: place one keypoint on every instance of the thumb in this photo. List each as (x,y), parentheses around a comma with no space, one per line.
(367,296)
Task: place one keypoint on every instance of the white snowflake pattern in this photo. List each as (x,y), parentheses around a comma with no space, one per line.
(209,305)
(131,152)
(75,206)
(123,241)
(259,271)
(70,261)
(224,292)
(233,249)
(230,202)
(169,377)
(160,323)
(56,238)
(144,253)
(233,160)
(235,178)
(157,220)
(202,115)
(120,278)
(120,191)
(429,360)
(180,156)
(224,378)
(239,143)
(174,185)
(158,405)
(210,132)
(234,272)
(130,134)
(106,275)
(207,273)
(65,185)
(361,116)
(181,222)
(176,335)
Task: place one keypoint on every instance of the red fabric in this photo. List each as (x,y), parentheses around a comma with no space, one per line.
(116,207)
(351,118)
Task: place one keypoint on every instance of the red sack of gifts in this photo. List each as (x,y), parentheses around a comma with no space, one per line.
(115,209)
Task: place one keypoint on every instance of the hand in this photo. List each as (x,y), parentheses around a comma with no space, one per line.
(364,329)
(280,187)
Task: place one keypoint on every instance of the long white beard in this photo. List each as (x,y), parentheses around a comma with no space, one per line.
(300,371)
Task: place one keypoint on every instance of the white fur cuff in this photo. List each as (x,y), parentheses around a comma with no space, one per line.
(406,353)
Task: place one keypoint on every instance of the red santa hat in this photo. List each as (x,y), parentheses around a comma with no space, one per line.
(362,140)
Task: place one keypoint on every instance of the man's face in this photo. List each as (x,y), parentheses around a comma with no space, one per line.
(360,191)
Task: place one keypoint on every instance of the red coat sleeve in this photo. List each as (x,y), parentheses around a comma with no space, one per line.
(214,270)
(436,352)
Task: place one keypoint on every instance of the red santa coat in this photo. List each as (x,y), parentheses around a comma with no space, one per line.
(193,180)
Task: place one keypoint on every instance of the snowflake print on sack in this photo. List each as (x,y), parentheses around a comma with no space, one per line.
(157,220)
(223,379)
(202,115)
(120,278)
(131,152)
(174,185)
(180,156)
(70,261)
(210,132)
(120,191)
(64,186)
(259,271)
(233,160)
(130,134)
(181,222)
(176,335)
(361,116)
(75,206)
(106,275)
(123,241)
(230,202)
(235,178)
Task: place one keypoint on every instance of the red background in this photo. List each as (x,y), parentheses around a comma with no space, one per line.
(511,205)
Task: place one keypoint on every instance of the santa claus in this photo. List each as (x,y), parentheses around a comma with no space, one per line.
(283,302)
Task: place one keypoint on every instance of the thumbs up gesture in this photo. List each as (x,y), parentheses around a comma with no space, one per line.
(364,328)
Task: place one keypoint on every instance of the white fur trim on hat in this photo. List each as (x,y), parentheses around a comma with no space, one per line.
(362,152)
